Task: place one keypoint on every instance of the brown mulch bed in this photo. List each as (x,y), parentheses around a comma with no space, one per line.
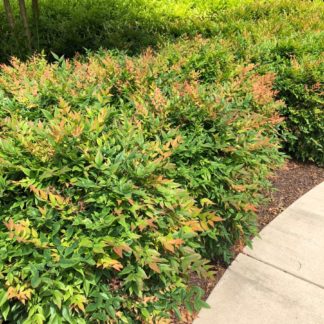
(290,182)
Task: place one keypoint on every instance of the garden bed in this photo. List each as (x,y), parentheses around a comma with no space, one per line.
(123,176)
(290,182)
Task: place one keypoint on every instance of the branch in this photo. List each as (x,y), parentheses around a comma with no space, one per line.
(9,15)
(23,14)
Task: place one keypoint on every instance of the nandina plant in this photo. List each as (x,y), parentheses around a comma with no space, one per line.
(120,176)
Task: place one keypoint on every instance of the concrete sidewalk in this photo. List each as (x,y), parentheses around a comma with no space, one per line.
(280,280)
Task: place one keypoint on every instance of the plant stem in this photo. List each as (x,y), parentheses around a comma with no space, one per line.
(35,9)
(23,14)
(9,15)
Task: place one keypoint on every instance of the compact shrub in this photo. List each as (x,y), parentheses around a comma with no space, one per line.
(301,87)
(278,36)
(274,35)
(120,176)
(290,46)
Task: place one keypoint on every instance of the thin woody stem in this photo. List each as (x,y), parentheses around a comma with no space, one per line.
(9,15)
(23,14)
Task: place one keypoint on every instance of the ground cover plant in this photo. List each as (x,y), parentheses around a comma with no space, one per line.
(120,175)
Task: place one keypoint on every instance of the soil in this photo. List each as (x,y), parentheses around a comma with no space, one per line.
(290,182)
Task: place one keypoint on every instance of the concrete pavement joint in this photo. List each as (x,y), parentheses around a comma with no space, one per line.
(280,269)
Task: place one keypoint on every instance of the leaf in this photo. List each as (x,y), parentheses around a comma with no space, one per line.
(154,267)
(118,251)
(3,297)
(194,225)
(206,202)
(250,207)
(68,263)
(111,311)
(35,280)
(57,298)
(78,301)
(67,314)
(239,188)
(99,158)
(108,263)
(203,304)
(170,244)
(92,307)
(5,309)
(85,242)
(145,313)
(47,114)
(216,218)
(38,319)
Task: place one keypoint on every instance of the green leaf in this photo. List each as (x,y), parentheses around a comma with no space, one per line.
(111,311)
(99,158)
(3,297)
(5,309)
(57,298)
(68,263)
(145,312)
(35,281)
(47,114)
(85,242)
(92,307)
(38,319)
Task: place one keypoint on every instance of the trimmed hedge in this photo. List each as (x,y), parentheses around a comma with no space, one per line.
(119,176)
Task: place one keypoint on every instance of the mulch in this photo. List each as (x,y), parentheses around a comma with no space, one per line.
(289,183)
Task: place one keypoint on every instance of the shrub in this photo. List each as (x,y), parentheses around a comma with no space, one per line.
(242,32)
(300,85)
(119,176)
(293,50)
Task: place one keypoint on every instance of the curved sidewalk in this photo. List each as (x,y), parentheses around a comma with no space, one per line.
(280,280)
